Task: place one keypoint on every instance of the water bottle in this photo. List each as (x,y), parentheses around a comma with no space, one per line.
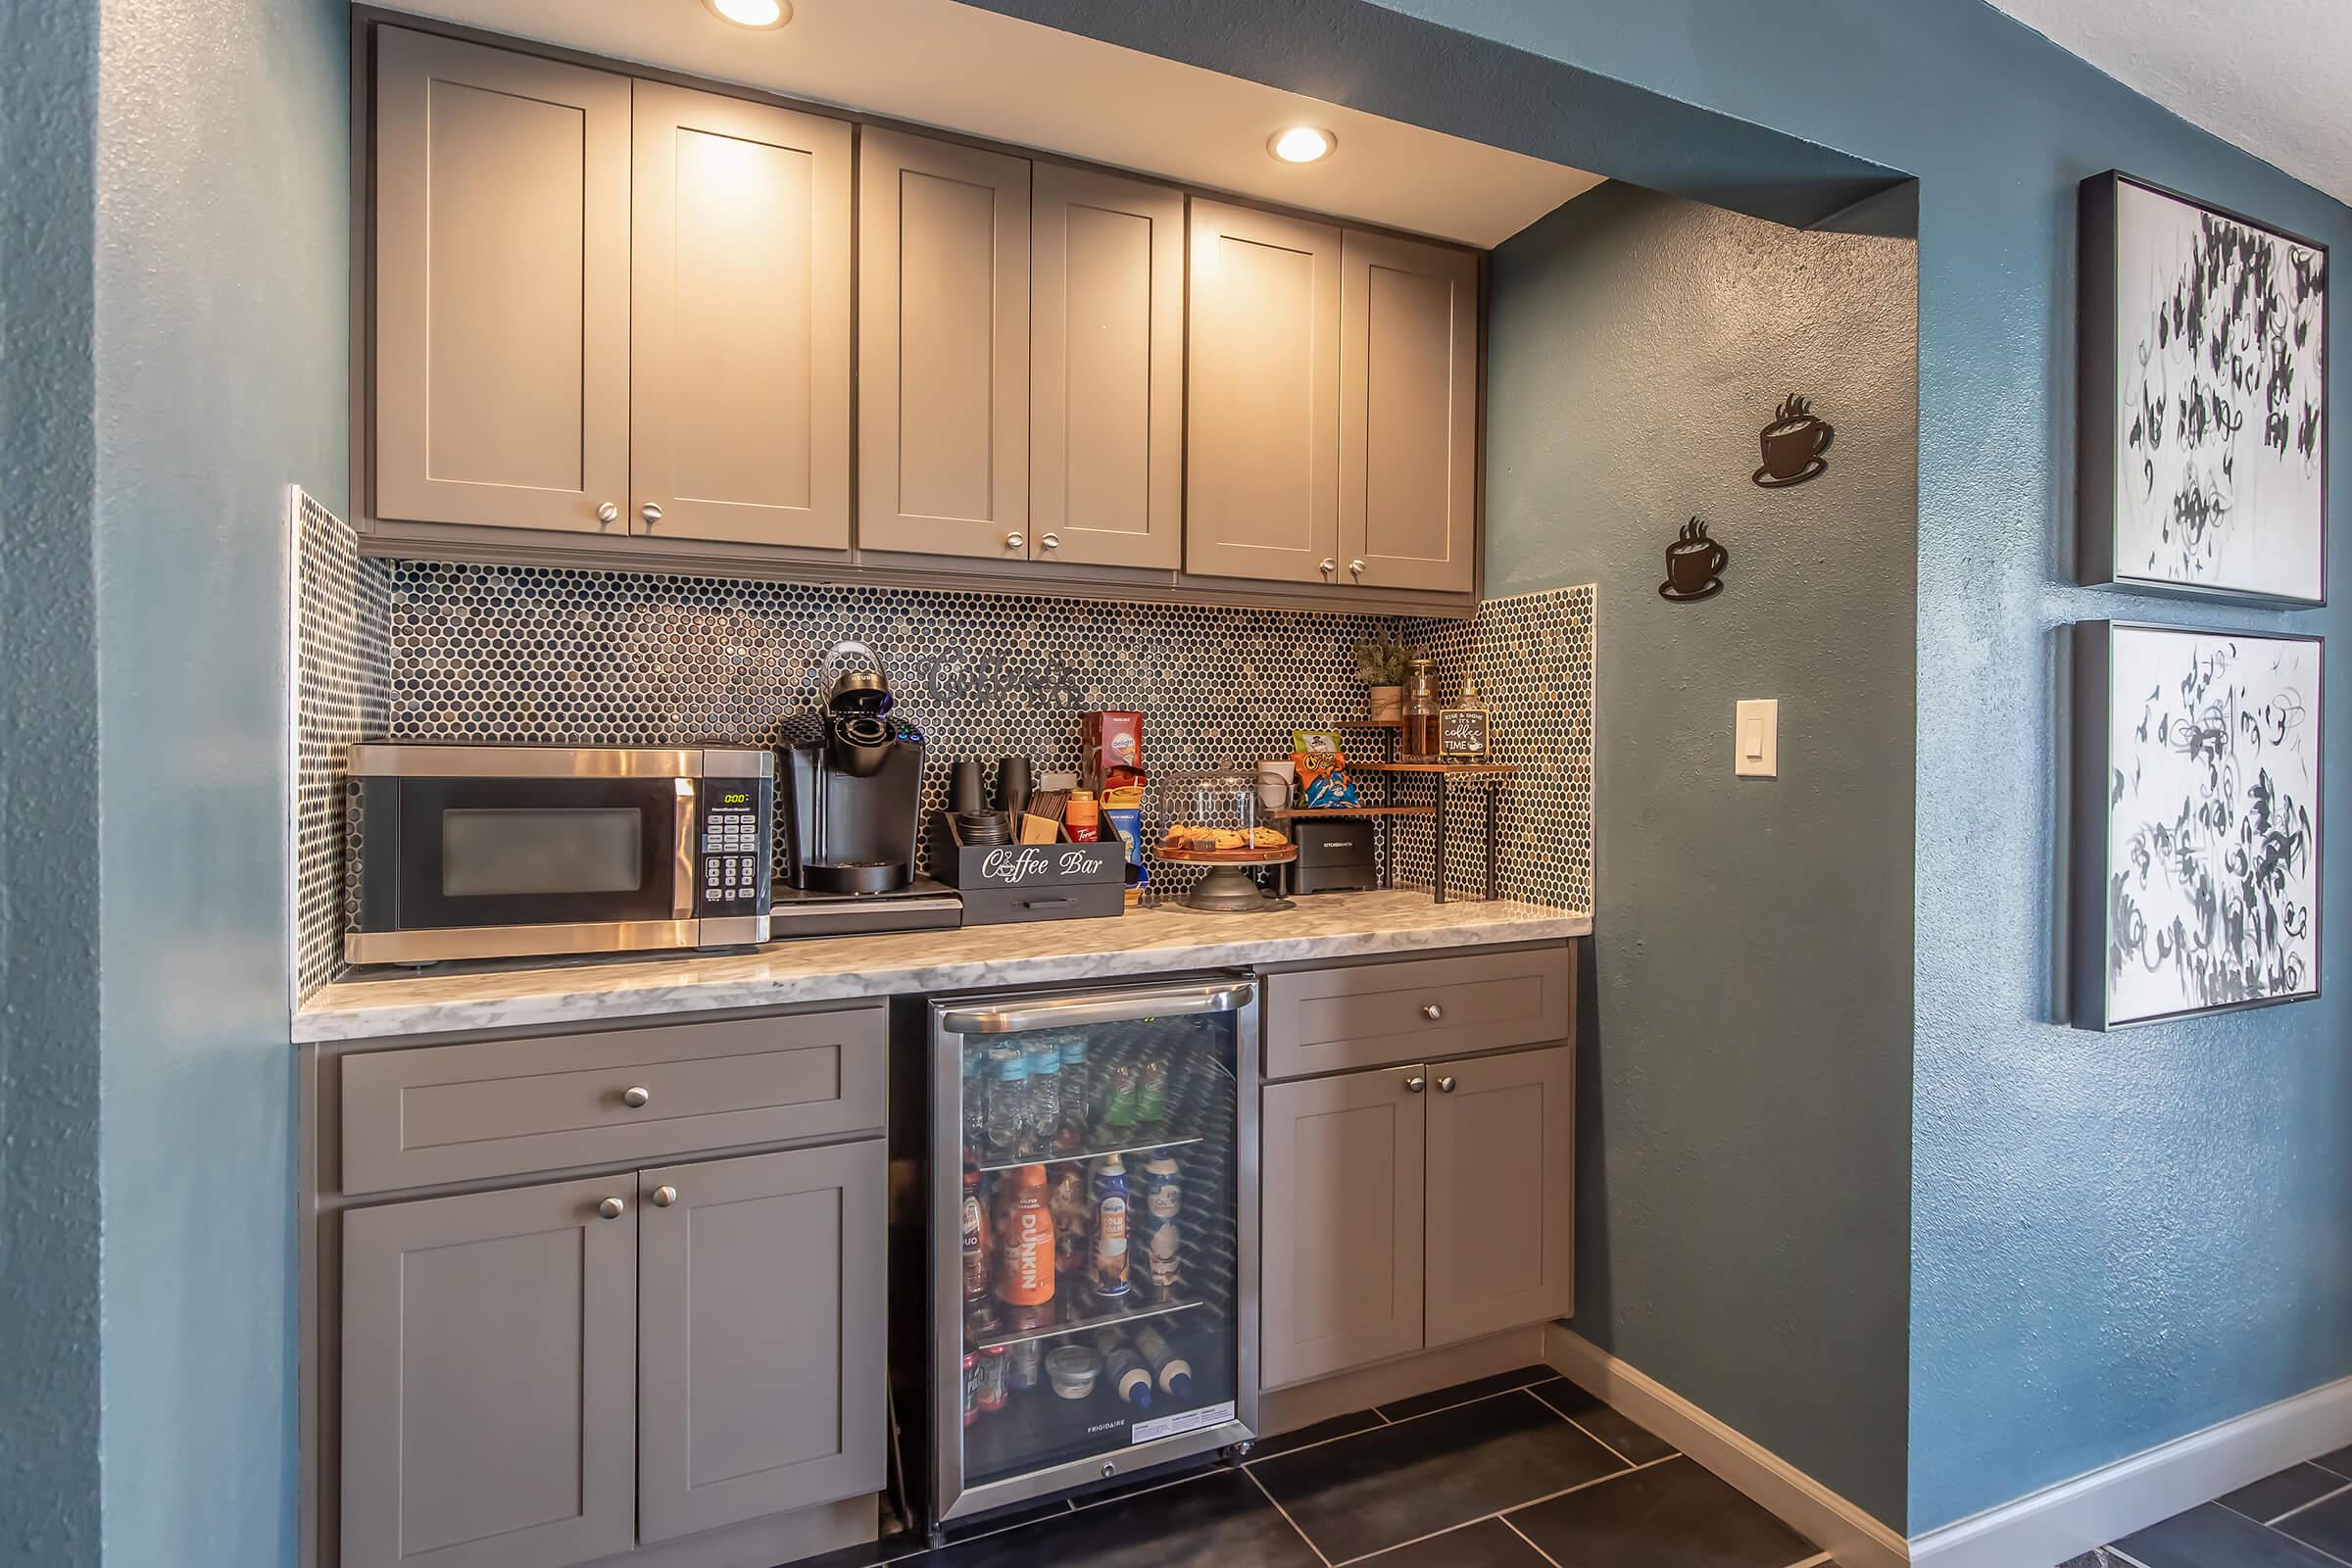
(1075,1105)
(976,1101)
(1008,1098)
(1045,1089)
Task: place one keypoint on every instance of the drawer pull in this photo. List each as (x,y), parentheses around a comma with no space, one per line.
(637,1098)
(612,1208)
(1445,1086)
(1415,1084)
(664,1197)
(1432,1012)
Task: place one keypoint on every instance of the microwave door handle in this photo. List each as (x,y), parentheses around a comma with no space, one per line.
(682,874)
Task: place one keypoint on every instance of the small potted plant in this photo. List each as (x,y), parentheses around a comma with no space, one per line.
(1382,663)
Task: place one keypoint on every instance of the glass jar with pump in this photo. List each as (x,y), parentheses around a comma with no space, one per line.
(1421,712)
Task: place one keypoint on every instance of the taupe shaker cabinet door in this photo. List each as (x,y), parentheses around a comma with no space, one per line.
(489,1378)
(502,287)
(1339,1222)
(1261,414)
(740,313)
(1106,366)
(1501,1193)
(1408,414)
(943,354)
(762,1362)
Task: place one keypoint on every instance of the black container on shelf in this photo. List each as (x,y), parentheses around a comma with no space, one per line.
(1335,855)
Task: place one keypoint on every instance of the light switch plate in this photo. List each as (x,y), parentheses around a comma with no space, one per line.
(1757,739)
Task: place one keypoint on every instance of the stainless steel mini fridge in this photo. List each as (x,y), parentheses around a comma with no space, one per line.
(1092,1234)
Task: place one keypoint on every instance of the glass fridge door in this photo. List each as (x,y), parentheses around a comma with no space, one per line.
(1092,1251)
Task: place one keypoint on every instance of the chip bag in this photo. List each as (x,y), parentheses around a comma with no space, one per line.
(1323,779)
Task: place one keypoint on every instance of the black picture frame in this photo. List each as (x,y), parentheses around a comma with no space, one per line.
(2091,870)
(2101,424)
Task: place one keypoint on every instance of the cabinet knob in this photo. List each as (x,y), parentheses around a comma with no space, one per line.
(612,1208)
(1445,1086)
(1356,567)
(1329,565)
(607,514)
(1432,1012)
(651,513)
(1016,541)
(1051,541)
(1415,1084)
(637,1097)
(664,1197)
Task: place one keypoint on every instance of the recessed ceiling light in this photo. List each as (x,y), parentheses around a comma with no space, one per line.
(1301,144)
(760,13)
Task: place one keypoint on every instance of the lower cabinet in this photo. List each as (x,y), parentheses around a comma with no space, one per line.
(760,1357)
(556,1374)
(1414,1207)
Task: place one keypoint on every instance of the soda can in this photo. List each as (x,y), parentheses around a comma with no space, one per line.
(1164,1191)
(1025,1364)
(971,1389)
(991,1393)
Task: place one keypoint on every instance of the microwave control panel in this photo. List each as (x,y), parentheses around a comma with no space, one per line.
(735,827)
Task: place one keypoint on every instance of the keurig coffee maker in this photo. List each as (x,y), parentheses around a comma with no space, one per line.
(853,784)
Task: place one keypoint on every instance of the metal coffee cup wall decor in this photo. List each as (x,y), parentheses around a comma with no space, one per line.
(1693,563)
(1794,444)
(2204,399)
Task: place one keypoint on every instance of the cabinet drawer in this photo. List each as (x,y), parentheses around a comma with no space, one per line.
(1369,1015)
(443,1113)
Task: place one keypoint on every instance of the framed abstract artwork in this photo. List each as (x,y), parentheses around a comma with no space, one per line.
(2203,388)
(2196,821)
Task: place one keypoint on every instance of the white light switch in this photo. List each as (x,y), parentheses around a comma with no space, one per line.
(1757,739)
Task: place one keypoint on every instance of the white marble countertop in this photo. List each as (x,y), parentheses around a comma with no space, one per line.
(1142,942)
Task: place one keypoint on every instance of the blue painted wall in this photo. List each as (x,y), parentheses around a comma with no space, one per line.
(2114,1241)
(49,1232)
(221,257)
(1744,1086)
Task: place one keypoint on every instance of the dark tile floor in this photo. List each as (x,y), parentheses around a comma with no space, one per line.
(1515,1471)
(2299,1518)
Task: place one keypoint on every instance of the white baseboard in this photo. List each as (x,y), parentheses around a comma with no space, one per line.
(1844,1530)
(2064,1521)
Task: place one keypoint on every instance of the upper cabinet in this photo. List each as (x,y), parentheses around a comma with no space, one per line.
(740,322)
(1263,424)
(710,332)
(1106,371)
(502,287)
(942,352)
(1408,414)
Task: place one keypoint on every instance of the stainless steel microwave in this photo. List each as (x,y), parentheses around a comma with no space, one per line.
(504,852)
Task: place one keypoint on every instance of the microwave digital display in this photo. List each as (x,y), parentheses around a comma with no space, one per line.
(493,854)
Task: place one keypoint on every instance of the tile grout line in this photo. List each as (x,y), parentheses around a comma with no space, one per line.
(1498,1514)
(1598,1438)
(1283,1453)
(1528,1387)
(1288,1520)
(2306,1545)
(2325,1497)
(1531,1544)
(1108,1497)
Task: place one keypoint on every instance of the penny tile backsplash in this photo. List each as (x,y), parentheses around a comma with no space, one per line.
(545,656)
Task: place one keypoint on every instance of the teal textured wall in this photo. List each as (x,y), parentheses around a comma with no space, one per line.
(2114,1241)
(1743,1056)
(222,278)
(49,1231)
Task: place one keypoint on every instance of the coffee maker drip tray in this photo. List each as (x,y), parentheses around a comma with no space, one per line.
(864,877)
(921,904)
